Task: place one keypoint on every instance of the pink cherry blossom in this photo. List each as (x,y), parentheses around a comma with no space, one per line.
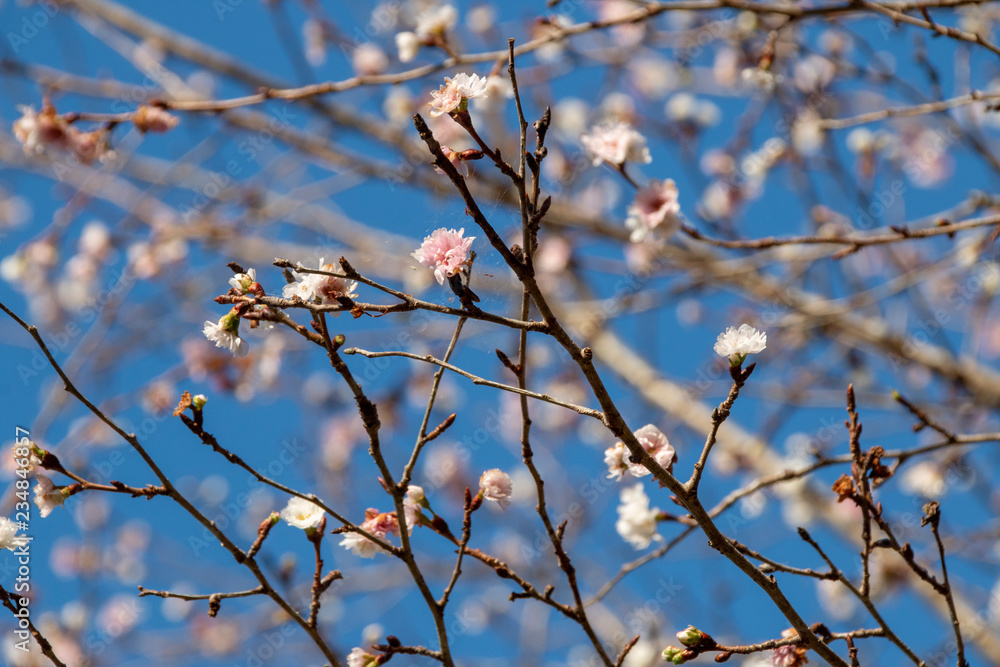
(495,485)
(617,458)
(452,96)
(655,211)
(615,144)
(445,251)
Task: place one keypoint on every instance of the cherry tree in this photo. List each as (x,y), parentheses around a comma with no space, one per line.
(584,333)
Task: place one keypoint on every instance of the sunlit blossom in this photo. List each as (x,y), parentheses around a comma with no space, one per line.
(302,513)
(446,251)
(9,539)
(738,343)
(456,91)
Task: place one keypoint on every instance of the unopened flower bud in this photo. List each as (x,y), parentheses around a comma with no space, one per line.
(690,636)
(674,655)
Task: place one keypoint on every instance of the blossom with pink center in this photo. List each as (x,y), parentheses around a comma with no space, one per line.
(495,485)
(616,144)
(455,93)
(320,288)
(48,496)
(455,157)
(379,524)
(617,458)
(445,251)
(89,146)
(655,211)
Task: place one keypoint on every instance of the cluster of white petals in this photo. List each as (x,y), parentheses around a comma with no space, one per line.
(412,505)
(302,513)
(226,333)
(48,496)
(9,539)
(738,343)
(636,519)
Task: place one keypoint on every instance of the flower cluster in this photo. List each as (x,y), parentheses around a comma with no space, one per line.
(382,524)
(655,212)
(39,132)
(738,343)
(445,251)
(636,519)
(616,144)
(617,458)
(456,92)
(320,288)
